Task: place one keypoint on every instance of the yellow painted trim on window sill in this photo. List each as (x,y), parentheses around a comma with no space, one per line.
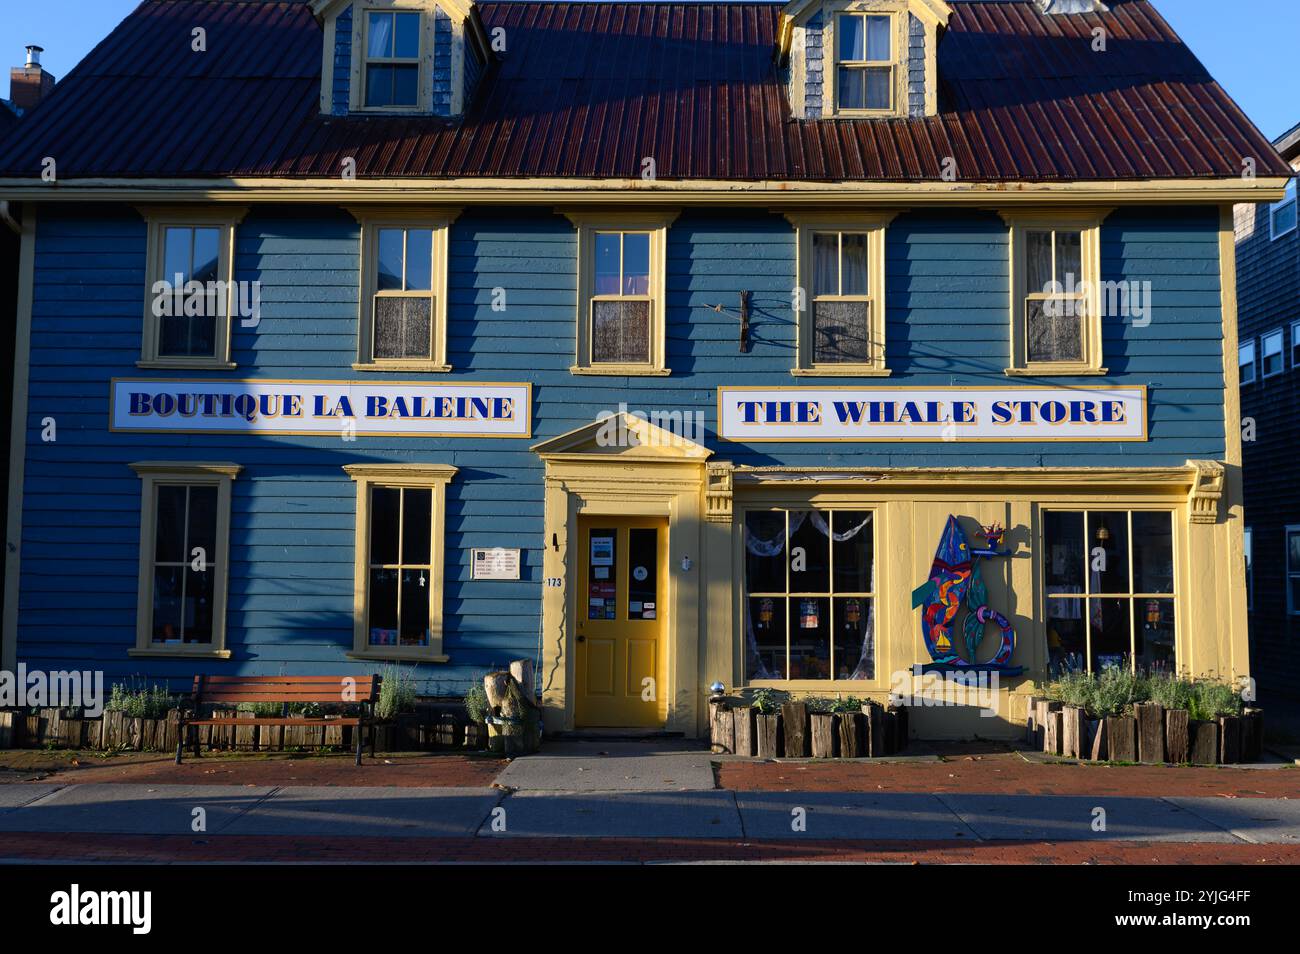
(848,371)
(162,652)
(426,366)
(161,365)
(620,370)
(1057,371)
(397,657)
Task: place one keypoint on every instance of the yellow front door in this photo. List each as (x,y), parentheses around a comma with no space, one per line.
(622,583)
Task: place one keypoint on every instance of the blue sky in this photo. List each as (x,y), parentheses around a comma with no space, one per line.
(1250,46)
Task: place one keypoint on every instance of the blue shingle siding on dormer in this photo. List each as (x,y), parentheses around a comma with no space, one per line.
(473,71)
(342,62)
(915,67)
(441,63)
(813,68)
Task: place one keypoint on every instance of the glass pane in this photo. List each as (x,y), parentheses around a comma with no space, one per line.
(853,551)
(1284,218)
(841,331)
(419,260)
(849,84)
(642,573)
(1038,262)
(406,84)
(169,525)
(602,576)
(385,505)
(855,650)
(1069,267)
(1293,552)
(636,263)
(388,273)
(878,41)
(167,583)
(415,608)
(1153,552)
(620,331)
(607,263)
(379,85)
(417,526)
(383,607)
(1108,553)
(765,649)
(810,552)
(854,270)
(1052,334)
(407,35)
(810,644)
(202,524)
(1109,626)
(199,596)
(403,327)
(1155,635)
(1067,645)
(381,35)
(852,39)
(187,335)
(1064,557)
(765,551)
(826,263)
(878,81)
(176,254)
(206,243)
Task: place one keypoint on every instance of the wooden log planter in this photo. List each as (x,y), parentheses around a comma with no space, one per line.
(1152,735)
(794,732)
(427,730)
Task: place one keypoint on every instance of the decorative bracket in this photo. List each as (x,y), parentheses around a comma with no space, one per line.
(1207,490)
(717,491)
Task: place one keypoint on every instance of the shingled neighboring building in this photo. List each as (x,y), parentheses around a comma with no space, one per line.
(657,341)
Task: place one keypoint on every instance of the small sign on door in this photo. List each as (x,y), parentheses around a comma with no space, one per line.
(494,563)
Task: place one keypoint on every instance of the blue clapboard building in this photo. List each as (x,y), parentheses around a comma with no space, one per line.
(655,342)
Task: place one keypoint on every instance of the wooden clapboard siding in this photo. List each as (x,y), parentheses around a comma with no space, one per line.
(293,507)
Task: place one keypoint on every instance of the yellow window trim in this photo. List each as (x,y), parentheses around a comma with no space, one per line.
(360,27)
(158,219)
(154,474)
(438,220)
(588,223)
(433,477)
(1088,223)
(806,224)
(897,11)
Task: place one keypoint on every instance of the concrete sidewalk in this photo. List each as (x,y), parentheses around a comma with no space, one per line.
(343,812)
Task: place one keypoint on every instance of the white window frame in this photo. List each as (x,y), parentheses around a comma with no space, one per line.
(1248,548)
(158,220)
(588,225)
(874,226)
(1278,336)
(1087,222)
(1289,199)
(1292,608)
(1295,345)
(1250,345)
(434,477)
(155,474)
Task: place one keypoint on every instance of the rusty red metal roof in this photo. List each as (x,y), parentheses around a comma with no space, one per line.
(589,89)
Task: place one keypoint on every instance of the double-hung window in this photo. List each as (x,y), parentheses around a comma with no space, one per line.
(1111,589)
(1272,353)
(399,560)
(403,314)
(1295,345)
(866,63)
(184,561)
(1282,215)
(392,63)
(1246,362)
(1293,570)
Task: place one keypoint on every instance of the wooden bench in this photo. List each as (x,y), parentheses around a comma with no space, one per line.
(362,691)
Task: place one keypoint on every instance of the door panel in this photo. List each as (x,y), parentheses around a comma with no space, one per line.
(619,642)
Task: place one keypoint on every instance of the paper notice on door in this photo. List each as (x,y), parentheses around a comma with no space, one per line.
(602,551)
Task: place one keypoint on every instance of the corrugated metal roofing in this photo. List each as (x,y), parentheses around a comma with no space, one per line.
(589,89)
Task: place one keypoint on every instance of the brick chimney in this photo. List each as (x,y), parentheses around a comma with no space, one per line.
(30,83)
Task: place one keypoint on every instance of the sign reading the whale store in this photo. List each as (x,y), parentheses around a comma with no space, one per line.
(932,414)
(265,406)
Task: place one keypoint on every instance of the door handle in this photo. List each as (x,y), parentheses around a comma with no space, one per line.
(581,638)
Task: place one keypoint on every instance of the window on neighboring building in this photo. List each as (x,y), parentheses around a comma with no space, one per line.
(1282,215)
(1293,570)
(1056,318)
(1246,361)
(865,63)
(190,290)
(1111,589)
(809,603)
(1248,545)
(404,292)
(1295,345)
(184,534)
(620,297)
(1274,359)
(400,553)
(392,65)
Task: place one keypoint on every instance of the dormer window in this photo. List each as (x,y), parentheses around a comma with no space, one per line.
(392,59)
(864,63)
